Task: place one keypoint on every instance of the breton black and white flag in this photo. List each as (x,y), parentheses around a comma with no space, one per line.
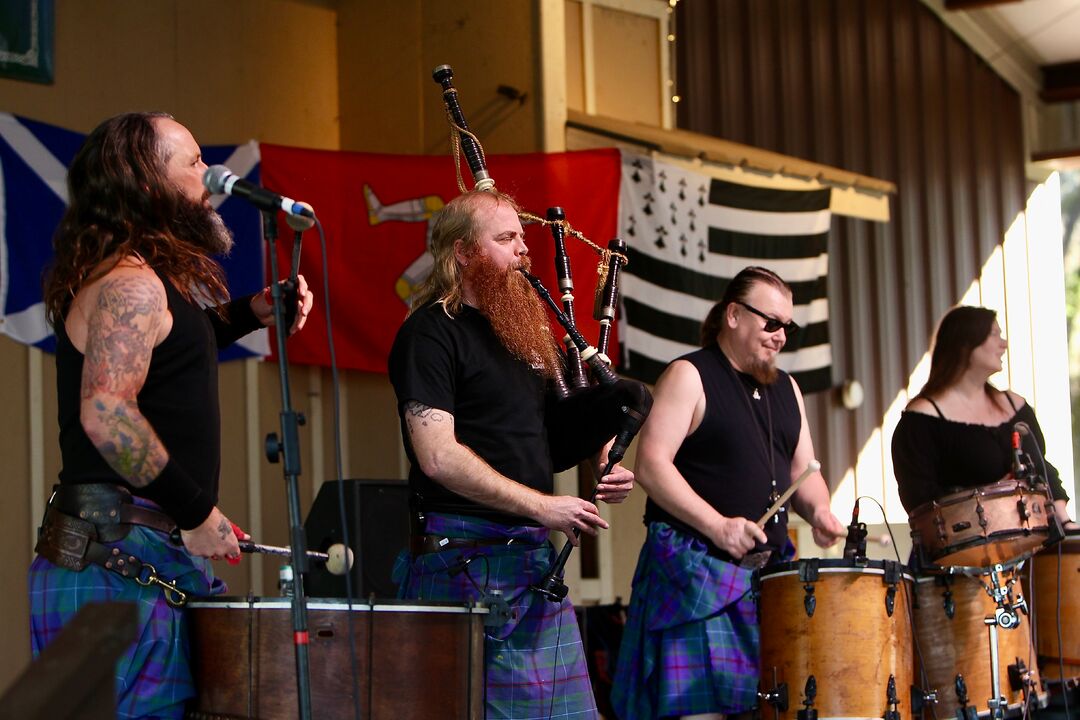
(688,234)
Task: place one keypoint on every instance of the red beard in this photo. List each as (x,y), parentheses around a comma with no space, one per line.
(515,312)
(764,372)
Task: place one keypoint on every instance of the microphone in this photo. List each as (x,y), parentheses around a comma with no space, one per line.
(220,180)
(855,545)
(1018,468)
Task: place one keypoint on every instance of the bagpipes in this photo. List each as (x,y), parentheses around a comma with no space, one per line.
(583,416)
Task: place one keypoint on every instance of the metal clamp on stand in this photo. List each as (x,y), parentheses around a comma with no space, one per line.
(777,697)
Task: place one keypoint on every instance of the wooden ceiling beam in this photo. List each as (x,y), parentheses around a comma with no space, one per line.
(974,4)
(1061,82)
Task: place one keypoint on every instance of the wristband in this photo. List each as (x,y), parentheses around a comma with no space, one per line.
(179,496)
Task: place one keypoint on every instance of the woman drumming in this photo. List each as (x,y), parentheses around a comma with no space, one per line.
(957,432)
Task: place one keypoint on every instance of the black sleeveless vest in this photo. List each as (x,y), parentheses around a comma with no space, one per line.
(179,399)
(725,459)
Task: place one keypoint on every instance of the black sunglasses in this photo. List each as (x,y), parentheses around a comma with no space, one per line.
(771,323)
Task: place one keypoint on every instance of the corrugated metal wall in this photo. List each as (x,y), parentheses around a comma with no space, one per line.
(884,89)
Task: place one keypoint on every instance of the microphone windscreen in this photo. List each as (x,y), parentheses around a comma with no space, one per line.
(300,223)
(339,559)
(214,178)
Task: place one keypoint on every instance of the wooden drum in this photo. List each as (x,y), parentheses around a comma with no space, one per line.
(1045,609)
(983,526)
(414,660)
(846,626)
(953,640)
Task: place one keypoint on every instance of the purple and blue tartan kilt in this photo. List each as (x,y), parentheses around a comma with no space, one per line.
(535,663)
(691,641)
(153,677)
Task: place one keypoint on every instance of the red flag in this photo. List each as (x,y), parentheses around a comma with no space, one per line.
(376,210)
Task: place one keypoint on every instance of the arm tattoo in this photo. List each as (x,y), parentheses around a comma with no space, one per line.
(119,343)
(416,412)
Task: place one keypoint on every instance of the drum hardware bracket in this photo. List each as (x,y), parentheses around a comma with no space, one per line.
(808,575)
(939,523)
(1019,676)
(981,511)
(892,700)
(892,579)
(498,609)
(1022,508)
(778,696)
(809,695)
(921,698)
(965,711)
(809,601)
(949,603)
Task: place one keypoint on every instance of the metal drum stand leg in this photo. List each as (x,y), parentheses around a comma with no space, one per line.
(1007,618)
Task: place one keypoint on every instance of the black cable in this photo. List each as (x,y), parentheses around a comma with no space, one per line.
(555,665)
(354,665)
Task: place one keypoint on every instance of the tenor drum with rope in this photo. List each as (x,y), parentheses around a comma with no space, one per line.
(954,644)
(1052,624)
(837,635)
(983,526)
(414,661)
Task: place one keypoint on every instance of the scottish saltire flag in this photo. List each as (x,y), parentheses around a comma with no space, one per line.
(33,194)
(689,234)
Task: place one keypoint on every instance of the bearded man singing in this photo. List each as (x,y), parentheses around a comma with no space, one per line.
(136,377)
(469,367)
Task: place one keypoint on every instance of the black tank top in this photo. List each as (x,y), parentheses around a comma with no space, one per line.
(179,399)
(725,460)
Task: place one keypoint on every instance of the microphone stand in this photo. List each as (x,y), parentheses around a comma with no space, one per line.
(288,446)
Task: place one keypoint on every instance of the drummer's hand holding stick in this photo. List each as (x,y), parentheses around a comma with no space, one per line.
(738,536)
(826,528)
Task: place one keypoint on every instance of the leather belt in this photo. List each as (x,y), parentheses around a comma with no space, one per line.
(424,544)
(102,514)
(110,508)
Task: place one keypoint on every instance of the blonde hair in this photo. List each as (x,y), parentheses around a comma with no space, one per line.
(455,221)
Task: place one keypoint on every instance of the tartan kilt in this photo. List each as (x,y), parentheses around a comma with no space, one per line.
(153,676)
(691,642)
(534,664)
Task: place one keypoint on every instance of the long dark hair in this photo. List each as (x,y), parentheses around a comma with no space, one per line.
(121,204)
(737,290)
(963,329)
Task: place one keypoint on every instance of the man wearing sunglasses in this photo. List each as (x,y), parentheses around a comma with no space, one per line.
(726,437)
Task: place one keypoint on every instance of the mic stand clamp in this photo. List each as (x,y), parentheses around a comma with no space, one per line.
(498,609)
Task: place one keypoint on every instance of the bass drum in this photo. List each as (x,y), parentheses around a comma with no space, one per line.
(953,642)
(1045,603)
(837,634)
(244,662)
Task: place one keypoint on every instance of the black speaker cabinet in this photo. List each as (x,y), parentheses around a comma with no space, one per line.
(377,518)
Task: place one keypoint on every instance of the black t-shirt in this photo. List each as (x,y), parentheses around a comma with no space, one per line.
(724,460)
(934,456)
(458,364)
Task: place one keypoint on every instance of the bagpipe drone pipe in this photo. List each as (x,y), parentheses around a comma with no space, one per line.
(581,416)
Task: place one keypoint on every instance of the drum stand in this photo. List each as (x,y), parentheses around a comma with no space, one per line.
(1007,618)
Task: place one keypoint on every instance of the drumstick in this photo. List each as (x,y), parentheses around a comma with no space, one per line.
(811,467)
(338,558)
